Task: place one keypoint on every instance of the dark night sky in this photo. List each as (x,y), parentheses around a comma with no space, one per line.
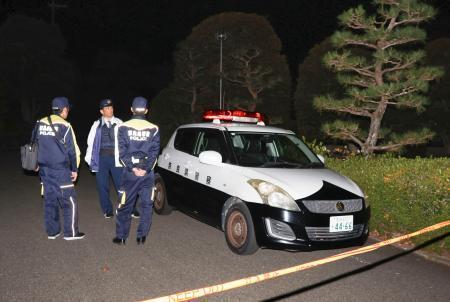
(150,30)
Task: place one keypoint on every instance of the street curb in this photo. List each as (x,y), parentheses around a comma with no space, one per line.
(427,255)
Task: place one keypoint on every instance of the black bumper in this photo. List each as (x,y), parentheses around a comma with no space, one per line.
(304,224)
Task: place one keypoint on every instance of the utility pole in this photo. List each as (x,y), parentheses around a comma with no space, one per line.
(53,6)
(221,37)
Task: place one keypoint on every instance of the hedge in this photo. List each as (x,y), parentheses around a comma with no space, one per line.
(404,194)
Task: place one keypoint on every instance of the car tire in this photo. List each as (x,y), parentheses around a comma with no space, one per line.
(239,230)
(363,239)
(160,203)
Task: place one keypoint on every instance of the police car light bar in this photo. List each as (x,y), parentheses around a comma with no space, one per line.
(233,116)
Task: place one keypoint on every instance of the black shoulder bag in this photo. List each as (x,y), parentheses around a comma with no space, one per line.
(29,152)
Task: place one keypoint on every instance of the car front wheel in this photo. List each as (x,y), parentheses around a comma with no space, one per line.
(160,203)
(239,230)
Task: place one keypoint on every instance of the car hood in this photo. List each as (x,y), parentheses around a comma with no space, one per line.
(301,183)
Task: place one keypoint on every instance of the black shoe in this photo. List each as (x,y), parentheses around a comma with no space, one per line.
(136,214)
(54,236)
(76,237)
(108,215)
(141,240)
(118,241)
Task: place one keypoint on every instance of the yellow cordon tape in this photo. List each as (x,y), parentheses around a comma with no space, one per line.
(204,291)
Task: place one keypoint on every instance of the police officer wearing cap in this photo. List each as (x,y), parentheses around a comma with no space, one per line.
(102,155)
(58,159)
(138,142)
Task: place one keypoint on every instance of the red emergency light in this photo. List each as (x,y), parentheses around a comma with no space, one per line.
(233,116)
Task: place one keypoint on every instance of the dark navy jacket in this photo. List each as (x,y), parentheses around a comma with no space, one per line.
(138,142)
(58,151)
(93,144)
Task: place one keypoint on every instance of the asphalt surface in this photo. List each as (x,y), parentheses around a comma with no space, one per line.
(180,254)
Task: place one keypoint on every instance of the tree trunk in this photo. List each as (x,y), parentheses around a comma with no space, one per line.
(376,117)
(252,106)
(194,99)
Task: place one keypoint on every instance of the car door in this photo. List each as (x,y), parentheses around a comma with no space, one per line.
(179,161)
(210,179)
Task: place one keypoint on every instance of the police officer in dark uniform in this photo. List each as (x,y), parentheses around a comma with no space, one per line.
(58,159)
(102,155)
(138,142)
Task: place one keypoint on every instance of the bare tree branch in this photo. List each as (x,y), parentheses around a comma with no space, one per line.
(408,21)
(391,146)
(348,135)
(355,139)
(397,42)
(405,91)
(362,71)
(360,43)
(398,67)
(360,112)
(360,83)
(391,24)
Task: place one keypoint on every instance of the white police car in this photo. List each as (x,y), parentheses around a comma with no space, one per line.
(261,185)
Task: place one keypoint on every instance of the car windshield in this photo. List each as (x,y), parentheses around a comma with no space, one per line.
(272,150)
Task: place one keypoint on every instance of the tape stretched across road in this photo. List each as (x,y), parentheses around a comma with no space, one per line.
(204,291)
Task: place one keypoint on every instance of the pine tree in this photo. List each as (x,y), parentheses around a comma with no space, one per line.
(378,63)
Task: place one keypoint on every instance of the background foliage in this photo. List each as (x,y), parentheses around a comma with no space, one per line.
(404,194)
(314,79)
(263,85)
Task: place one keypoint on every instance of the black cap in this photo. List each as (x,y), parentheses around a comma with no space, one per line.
(60,102)
(139,104)
(105,103)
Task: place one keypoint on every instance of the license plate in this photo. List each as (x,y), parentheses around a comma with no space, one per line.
(341,223)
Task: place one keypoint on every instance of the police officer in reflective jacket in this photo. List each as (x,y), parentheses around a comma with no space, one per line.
(58,159)
(138,142)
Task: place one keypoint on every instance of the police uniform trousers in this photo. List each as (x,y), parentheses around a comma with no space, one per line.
(131,187)
(59,191)
(107,166)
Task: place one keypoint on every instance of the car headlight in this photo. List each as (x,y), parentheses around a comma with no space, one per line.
(274,195)
(366,201)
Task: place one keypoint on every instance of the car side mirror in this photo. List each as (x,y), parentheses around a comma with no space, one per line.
(322,159)
(210,158)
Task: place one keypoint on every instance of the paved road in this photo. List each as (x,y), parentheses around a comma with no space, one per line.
(181,254)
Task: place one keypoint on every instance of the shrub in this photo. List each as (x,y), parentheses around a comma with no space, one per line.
(317,147)
(405,194)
